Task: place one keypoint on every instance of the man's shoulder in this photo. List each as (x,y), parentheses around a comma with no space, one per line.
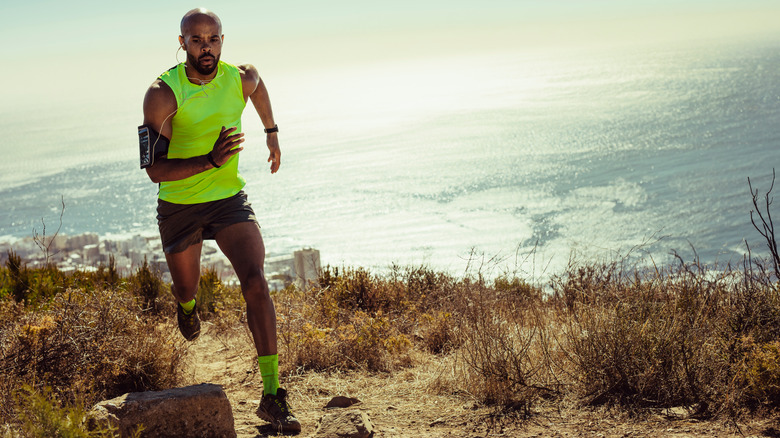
(170,72)
(159,86)
(248,72)
(162,86)
(244,68)
(164,79)
(160,92)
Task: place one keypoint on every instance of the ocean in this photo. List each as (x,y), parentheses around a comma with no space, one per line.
(514,162)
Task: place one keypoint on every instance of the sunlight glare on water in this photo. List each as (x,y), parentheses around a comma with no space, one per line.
(434,160)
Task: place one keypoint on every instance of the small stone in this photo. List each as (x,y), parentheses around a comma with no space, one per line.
(437,422)
(341,402)
(345,424)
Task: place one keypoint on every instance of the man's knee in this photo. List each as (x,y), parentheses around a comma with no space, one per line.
(254,286)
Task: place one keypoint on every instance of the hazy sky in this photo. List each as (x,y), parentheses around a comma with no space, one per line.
(86,50)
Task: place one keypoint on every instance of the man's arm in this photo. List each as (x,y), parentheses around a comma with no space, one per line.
(254,89)
(159,109)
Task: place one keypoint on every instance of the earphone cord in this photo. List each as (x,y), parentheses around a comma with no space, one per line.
(205,86)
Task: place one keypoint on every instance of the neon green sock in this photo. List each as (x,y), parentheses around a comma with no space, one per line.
(269,370)
(188,306)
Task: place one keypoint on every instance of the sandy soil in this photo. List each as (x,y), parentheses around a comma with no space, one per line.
(403,403)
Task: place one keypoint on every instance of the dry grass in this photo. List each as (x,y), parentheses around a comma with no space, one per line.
(671,338)
(84,344)
(602,336)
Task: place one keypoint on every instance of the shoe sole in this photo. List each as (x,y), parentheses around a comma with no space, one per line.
(263,415)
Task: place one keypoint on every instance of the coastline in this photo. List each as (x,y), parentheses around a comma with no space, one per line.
(89,251)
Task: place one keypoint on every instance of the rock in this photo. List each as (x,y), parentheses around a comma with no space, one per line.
(193,411)
(437,422)
(680,412)
(341,402)
(345,424)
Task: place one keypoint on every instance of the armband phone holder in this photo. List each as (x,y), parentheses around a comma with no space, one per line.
(152,145)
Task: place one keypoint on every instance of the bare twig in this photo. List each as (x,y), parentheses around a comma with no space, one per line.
(40,239)
(767,228)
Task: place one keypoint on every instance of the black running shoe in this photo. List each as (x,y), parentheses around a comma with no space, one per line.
(275,410)
(189,325)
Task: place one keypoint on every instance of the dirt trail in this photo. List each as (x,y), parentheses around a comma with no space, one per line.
(401,404)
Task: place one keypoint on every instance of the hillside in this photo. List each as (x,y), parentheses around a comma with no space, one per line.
(605,350)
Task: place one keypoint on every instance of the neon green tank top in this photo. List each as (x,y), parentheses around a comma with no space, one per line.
(202,110)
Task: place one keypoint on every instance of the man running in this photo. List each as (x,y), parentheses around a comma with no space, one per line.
(190,144)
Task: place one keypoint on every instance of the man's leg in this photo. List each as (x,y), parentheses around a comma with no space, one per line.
(243,246)
(185,272)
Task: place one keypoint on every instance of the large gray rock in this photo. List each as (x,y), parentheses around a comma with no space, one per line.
(345,424)
(193,411)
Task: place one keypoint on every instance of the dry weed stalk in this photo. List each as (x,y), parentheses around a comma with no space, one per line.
(767,228)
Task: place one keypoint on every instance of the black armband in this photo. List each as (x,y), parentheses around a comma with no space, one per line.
(153,145)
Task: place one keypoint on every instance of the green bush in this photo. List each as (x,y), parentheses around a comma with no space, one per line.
(42,416)
(33,286)
(107,276)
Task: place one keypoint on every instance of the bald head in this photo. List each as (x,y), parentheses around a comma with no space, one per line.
(201,37)
(196,16)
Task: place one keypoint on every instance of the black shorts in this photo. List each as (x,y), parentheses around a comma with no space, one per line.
(182,225)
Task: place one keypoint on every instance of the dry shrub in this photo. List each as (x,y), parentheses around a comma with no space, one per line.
(217,302)
(355,320)
(429,290)
(88,347)
(438,332)
(639,341)
(147,285)
(404,293)
(503,351)
(355,289)
(667,338)
(372,341)
(515,288)
(364,342)
(759,372)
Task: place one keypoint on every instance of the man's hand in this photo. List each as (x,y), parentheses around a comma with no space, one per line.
(227,145)
(275,157)
(254,89)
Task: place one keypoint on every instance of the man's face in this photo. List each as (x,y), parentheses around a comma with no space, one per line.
(202,40)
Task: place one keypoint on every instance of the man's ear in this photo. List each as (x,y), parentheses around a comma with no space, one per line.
(181,43)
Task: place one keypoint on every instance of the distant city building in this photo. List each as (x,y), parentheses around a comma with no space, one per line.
(88,251)
(307,267)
